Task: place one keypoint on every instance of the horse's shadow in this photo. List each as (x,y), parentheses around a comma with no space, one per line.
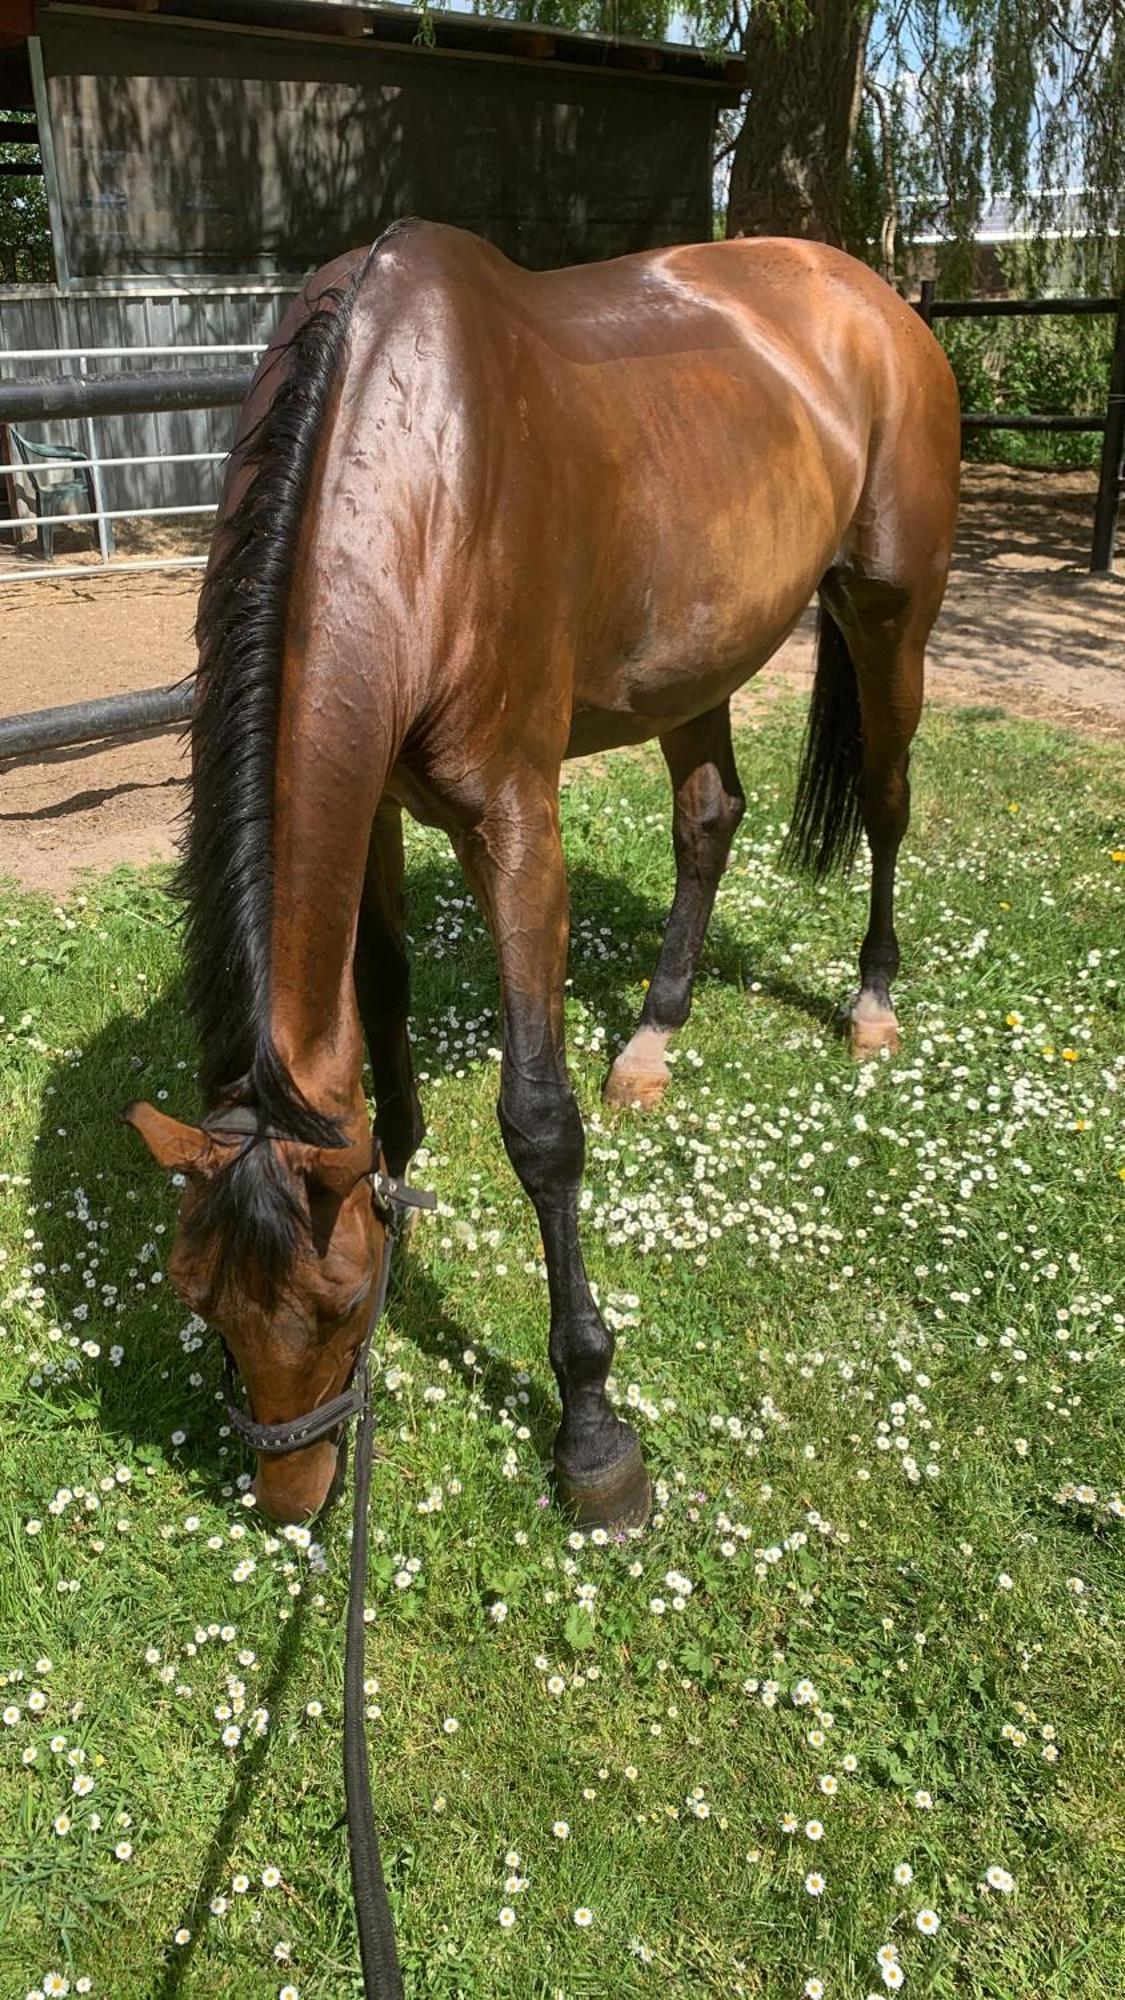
(82,1145)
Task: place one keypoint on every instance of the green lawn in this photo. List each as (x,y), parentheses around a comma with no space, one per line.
(871,1330)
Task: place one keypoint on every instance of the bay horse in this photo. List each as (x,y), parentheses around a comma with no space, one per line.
(477,520)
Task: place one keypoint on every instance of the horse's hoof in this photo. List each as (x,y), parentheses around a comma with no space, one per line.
(636,1089)
(617,1497)
(869,1037)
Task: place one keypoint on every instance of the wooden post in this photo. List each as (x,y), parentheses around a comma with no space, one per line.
(1110,480)
(925,305)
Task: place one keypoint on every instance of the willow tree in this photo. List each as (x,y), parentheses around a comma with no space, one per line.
(866,121)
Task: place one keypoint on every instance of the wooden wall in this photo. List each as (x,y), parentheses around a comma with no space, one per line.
(196,149)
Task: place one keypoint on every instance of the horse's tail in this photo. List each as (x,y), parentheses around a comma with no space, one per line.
(826,822)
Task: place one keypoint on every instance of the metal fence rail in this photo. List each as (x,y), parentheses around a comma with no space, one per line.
(143,457)
(1111,472)
(61,396)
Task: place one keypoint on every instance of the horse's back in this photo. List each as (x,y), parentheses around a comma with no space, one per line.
(609,488)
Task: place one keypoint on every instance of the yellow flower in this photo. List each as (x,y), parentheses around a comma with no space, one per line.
(1005,906)
(1082,1124)
(1117,854)
(1048,1049)
(1013,808)
(1013,1020)
(1070,1055)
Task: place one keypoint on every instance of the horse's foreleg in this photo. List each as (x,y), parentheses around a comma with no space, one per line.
(382,984)
(513,858)
(708,804)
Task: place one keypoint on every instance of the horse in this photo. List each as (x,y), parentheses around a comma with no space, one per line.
(478,520)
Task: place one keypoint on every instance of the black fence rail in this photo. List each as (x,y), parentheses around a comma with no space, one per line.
(1111,472)
(148,711)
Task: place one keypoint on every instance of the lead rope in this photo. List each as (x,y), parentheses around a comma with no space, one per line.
(382,1974)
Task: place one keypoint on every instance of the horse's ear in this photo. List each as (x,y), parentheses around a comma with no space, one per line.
(182,1149)
(335,1170)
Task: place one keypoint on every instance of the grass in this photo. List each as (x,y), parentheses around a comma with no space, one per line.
(871,1325)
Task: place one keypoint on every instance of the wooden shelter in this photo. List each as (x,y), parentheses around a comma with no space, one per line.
(195,139)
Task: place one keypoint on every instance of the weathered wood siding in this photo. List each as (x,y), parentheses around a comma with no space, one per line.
(185,148)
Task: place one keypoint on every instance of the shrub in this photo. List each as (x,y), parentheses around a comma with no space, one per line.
(1032,367)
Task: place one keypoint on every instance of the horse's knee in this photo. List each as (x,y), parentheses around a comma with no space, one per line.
(707,820)
(542,1131)
(885,804)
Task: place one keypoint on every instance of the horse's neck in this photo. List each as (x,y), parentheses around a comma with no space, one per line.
(333,755)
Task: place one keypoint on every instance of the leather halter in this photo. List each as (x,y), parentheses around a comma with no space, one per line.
(390,1197)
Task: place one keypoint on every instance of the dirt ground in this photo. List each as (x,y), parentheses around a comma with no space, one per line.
(1024,628)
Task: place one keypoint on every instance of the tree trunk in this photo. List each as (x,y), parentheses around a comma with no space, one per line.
(790,162)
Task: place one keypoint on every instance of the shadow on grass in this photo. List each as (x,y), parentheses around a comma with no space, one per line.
(215,1869)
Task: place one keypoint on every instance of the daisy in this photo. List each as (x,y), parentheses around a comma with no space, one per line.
(814,1829)
(271,1877)
(927,1921)
(561,1830)
(999,1878)
(507,1918)
(789,1822)
(904,1874)
(583,1917)
(814,1989)
(829,1785)
(893,1976)
(814,1883)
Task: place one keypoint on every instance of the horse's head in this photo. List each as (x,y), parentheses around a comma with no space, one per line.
(278,1246)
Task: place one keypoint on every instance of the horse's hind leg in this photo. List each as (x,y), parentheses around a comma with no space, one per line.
(512,855)
(382,985)
(708,804)
(885,633)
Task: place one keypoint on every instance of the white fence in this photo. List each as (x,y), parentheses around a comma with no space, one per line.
(159,467)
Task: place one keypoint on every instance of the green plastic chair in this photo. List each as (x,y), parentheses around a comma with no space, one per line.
(55,492)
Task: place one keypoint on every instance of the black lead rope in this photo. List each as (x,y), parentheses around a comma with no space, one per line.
(382,1974)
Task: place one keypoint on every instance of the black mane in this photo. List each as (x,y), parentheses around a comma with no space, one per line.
(226,874)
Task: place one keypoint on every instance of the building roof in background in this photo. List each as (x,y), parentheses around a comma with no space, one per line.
(1005,221)
(380,22)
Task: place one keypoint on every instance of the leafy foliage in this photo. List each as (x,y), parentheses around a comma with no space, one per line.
(25,236)
(1039,367)
(962,98)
